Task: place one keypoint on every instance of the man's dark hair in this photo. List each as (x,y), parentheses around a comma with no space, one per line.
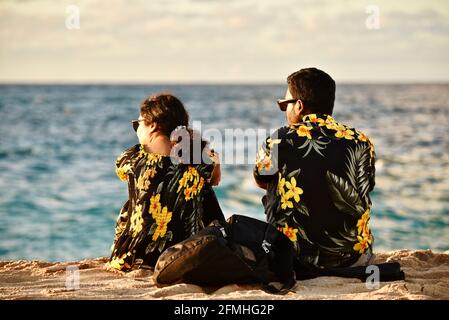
(315,88)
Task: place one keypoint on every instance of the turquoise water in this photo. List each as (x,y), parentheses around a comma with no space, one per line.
(60,196)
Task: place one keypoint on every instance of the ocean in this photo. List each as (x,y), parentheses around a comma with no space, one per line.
(59,195)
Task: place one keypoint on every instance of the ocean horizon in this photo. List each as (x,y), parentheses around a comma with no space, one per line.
(60,195)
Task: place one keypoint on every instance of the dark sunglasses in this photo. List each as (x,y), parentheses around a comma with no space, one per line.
(136,124)
(283,103)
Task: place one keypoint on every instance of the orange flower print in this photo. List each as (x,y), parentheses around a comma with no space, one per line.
(304,131)
(162,218)
(122,172)
(343,132)
(191,182)
(365,238)
(314,119)
(290,232)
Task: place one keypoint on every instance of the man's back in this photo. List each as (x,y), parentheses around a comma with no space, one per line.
(318,175)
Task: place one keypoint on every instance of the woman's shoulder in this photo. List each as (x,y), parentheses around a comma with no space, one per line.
(124,162)
(203,168)
(127,154)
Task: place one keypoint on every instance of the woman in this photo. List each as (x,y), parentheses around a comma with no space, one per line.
(169,201)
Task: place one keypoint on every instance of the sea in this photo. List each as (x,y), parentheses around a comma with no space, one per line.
(59,195)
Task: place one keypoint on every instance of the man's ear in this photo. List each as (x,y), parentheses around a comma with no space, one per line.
(299,107)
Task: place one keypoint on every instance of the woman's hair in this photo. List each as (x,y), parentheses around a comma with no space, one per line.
(170,115)
(166,111)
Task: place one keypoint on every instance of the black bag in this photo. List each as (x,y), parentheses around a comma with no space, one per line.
(241,250)
(389,271)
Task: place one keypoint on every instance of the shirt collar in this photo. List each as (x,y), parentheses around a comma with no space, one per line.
(312,117)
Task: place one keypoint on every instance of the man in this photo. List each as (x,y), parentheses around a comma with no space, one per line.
(318,174)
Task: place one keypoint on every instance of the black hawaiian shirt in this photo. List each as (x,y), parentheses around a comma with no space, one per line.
(318,175)
(168,202)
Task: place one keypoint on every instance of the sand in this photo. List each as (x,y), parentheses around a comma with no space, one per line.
(427,277)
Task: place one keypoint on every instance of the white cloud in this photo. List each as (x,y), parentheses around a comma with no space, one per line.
(200,40)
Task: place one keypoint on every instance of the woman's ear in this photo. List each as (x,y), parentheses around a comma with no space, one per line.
(152,127)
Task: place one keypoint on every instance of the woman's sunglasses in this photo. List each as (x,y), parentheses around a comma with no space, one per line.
(283,103)
(136,124)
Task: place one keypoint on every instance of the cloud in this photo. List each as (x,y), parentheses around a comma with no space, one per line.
(193,40)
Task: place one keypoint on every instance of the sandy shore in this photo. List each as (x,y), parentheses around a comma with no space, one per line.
(427,277)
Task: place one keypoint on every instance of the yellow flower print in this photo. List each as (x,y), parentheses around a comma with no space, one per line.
(314,119)
(155,205)
(144,179)
(330,123)
(362,137)
(272,142)
(122,172)
(371,150)
(362,224)
(281,185)
(343,132)
(364,233)
(136,220)
(304,131)
(119,262)
(183,182)
(151,158)
(264,163)
(363,244)
(191,182)
(162,218)
(285,201)
(290,232)
(293,190)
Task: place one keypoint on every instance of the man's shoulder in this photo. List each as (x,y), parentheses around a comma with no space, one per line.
(357,135)
(332,132)
(279,132)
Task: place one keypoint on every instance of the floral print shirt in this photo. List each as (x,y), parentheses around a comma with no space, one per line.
(319,174)
(167,203)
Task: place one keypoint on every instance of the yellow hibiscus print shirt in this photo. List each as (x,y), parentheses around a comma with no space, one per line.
(167,203)
(318,174)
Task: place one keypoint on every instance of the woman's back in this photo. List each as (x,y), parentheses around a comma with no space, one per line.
(168,202)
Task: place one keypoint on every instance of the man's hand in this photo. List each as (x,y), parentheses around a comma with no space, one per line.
(216,173)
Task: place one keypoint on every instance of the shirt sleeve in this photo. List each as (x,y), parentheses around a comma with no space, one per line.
(120,223)
(266,166)
(372,172)
(207,165)
(123,164)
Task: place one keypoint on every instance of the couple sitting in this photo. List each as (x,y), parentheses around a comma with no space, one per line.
(317,174)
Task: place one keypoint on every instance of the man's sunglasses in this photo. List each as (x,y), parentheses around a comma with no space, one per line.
(283,103)
(136,124)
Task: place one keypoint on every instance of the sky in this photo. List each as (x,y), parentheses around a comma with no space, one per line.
(222,41)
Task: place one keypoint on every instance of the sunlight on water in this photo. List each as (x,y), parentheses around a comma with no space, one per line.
(60,197)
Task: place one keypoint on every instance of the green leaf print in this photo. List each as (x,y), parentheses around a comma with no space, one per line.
(345,197)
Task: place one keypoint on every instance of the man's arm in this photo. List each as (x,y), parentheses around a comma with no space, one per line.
(372,173)
(265,169)
(260,184)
